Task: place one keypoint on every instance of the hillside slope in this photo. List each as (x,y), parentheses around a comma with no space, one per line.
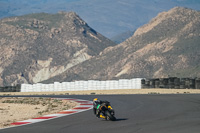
(168,45)
(37,47)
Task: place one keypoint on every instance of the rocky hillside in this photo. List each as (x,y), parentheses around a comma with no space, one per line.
(168,45)
(37,47)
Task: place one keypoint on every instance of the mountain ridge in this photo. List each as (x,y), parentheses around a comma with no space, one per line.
(36,47)
(167,46)
(39,48)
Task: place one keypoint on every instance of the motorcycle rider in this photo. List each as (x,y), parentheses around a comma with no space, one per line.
(104,108)
(96,106)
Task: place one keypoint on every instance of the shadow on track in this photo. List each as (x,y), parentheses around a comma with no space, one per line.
(121,119)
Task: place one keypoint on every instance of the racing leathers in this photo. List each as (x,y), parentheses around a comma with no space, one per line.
(96,107)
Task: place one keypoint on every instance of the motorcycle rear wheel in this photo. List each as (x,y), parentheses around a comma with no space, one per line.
(109,116)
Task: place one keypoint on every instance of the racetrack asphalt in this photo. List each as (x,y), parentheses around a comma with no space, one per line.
(176,113)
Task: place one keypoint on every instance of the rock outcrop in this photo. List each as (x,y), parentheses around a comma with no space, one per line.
(37,47)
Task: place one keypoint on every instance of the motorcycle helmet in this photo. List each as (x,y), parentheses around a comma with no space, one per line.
(95,99)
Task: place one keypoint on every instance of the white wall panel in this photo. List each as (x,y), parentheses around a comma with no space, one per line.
(84,85)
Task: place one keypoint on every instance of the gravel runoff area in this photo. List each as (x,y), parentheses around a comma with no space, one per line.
(13,109)
(17,109)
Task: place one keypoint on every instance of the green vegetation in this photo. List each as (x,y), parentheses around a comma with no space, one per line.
(52,19)
(19,23)
(153,93)
(43,16)
(45,21)
(188,72)
(187,46)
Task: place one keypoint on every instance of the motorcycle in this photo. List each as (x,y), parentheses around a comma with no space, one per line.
(107,111)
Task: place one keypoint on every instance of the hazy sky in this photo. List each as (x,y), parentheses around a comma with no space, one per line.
(109,17)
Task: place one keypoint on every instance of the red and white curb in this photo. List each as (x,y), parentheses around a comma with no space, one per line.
(83,105)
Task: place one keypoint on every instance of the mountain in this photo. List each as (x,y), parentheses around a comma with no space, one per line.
(168,45)
(39,46)
(109,18)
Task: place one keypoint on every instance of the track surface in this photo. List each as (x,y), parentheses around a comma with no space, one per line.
(135,114)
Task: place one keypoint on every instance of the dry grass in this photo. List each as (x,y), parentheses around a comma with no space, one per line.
(18,109)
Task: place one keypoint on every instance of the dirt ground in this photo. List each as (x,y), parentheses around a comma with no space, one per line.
(18,109)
